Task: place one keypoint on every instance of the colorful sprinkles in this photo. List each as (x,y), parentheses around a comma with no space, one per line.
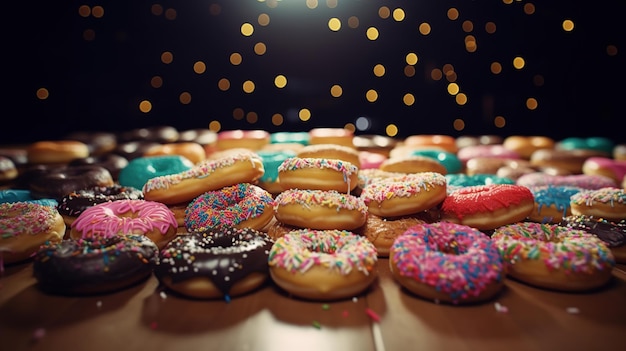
(25,218)
(402,186)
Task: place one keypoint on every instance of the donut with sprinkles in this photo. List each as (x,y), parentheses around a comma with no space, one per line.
(609,203)
(552,203)
(323,264)
(554,257)
(317,174)
(447,262)
(612,233)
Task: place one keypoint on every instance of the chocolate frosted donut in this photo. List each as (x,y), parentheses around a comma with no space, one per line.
(112,162)
(217,263)
(95,265)
(57,182)
(613,234)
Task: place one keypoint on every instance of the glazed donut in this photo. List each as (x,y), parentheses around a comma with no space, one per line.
(25,226)
(94,265)
(149,218)
(190,150)
(447,262)
(249,139)
(220,263)
(331,151)
(613,234)
(487,207)
(323,264)
(112,162)
(203,136)
(179,213)
(554,257)
(155,134)
(449,160)
(205,176)
(604,166)
(383,231)
(471,140)
(405,195)
(22,195)
(491,165)
(98,143)
(141,169)
(319,209)
(569,160)
(369,175)
(445,142)
(599,144)
(378,144)
(619,152)
(76,202)
(60,151)
(552,203)
(277,229)
(317,174)
(486,151)
(412,164)
(608,203)
(271,161)
(584,181)
(524,146)
(337,136)
(58,182)
(8,170)
(240,206)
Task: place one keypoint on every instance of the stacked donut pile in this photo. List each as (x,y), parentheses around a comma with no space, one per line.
(216,215)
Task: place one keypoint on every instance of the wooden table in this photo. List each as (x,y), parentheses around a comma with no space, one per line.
(145,318)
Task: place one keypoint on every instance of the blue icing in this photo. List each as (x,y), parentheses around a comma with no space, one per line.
(559,196)
(18,195)
(141,169)
(447,159)
(462,180)
(290,137)
(271,161)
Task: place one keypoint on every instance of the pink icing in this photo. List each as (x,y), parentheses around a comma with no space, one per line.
(615,166)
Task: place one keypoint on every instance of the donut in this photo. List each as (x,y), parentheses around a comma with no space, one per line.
(613,234)
(412,164)
(608,167)
(190,150)
(374,143)
(57,182)
(383,231)
(371,160)
(149,218)
(56,151)
(95,265)
(552,203)
(25,226)
(141,169)
(486,207)
(8,170)
(445,142)
(205,176)
(317,174)
(277,229)
(131,150)
(319,209)
(301,138)
(17,154)
(112,162)
(241,205)
(447,159)
(491,165)
(203,136)
(238,138)
(619,152)
(369,175)
(447,262)
(338,136)
(152,134)
(74,203)
(463,180)
(271,161)
(471,140)
(331,151)
(323,264)
(600,144)
(179,213)
(221,263)
(98,143)
(524,146)
(608,203)
(584,181)
(22,195)
(571,161)
(497,151)
(554,257)
(405,195)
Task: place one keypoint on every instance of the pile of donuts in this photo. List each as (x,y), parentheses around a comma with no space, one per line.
(220,214)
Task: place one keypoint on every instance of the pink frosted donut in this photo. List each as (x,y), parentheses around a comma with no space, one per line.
(241,206)
(583,181)
(371,160)
(604,166)
(152,219)
(496,151)
(447,262)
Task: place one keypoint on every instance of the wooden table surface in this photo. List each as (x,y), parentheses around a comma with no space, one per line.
(144,317)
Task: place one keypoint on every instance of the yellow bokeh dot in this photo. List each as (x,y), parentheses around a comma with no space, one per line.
(519,62)
(461,99)
(336,90)
(531,103)
(247,29)
(424,28)
(568,25)
(145,106)
(458,124)
(167,57)
(379,70)
(311,4)
(248,86)
(304,114)
(371,95)
(236,58)
(372,33)
(223,84)
(384,12)
(199,67)
(350,127)
(453,89)
(260,49)
(334,24)
(215,126)
(42,93)
(496,68)
(499,122)
(453,14)
(398,15)
(408,99)
(411,58)
(391,130)
(280,81)
(185,98)
(467,26)
(263,19)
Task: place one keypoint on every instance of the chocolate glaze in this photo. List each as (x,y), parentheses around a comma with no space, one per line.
(57,182)
(74,203)
(95,265)
(225,256)
(612,233)
(114,163)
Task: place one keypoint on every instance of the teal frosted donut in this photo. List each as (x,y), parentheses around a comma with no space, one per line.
(459,180)
(594,143)
(290,137)
(271,161)
(447,159)
(18,195)
(141,169)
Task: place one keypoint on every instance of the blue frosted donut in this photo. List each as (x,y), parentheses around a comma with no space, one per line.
(552,203)
(290,137)
(460,180)
(271,161)
(18,195)
(141,169)
(447,159)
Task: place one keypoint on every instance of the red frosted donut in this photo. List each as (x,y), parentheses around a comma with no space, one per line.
(58,151)
(323,264)
(94,265)
(608,203)
(55,183)
(209,175)
(405,195)
(554,257)
(241,206)
(317,174)
(487,207)
(447,262)
(149,218)
(25,226)
(248,139)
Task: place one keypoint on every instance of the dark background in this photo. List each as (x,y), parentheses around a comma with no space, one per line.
(98,84)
